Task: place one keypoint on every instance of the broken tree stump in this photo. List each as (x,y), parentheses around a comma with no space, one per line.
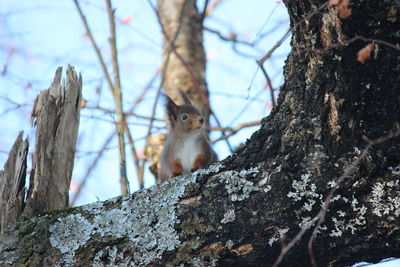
(12,183)
(55,114)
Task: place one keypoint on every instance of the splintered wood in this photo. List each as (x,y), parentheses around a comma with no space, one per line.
(56,115)
(12,183)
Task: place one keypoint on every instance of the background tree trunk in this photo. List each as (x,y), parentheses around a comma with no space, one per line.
(185,61)
(242,211)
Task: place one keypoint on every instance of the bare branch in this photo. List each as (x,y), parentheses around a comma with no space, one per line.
(121,125)
(90,169)
(269,83)
(234,130)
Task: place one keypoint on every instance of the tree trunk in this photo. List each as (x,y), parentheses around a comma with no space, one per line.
(12,183)
(242,211)
(56,115)
(183,52)
(184,63)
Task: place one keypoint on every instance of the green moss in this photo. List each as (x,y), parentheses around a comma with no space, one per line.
(32,261)
(206,193)
(192,225)
(253,220)
(214,254)
(184,253)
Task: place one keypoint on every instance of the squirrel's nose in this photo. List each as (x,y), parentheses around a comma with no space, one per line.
(201,120)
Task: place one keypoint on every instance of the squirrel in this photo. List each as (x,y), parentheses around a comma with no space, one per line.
(186,148)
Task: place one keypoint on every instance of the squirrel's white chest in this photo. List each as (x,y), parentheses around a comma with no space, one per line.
(187,152)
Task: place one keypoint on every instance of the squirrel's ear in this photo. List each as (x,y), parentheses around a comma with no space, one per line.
(172,109)
(184,97)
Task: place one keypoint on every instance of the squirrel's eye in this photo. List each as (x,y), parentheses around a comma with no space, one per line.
(184,117)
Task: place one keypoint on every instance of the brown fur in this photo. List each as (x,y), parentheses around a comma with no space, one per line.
(186,148)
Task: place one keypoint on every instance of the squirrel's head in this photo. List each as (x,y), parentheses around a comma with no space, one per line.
(183,118)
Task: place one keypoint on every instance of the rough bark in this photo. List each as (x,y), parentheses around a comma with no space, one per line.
(12,183)
(55,114)
(241,211)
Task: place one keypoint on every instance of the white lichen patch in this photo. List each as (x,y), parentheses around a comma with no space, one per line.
(229,216)
(236,184)
(69,233)
(332,184)
(277,236)
(76,230)
(395,170)
(338,225)
(305,191)
(306,222)
(213,168)
(343,222)
(146,218)
(385,199)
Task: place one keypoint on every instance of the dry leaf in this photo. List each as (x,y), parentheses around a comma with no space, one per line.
(83,103)
(126,19)
(365,52)
(344,12)
(341,7)
(213,247)
(243,250)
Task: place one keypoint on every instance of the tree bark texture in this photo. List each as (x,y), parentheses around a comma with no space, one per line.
(243,210)
(56,116)
(184,63)
(12,183)
(184,56)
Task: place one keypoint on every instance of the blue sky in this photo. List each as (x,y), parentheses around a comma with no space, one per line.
(43,34)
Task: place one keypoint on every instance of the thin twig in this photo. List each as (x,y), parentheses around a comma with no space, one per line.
(145,89)
(105,146)
(94,44)
(276,46)
(241,112)
(203,14)
(235,130)
(231,38)
(258,34)
(117,92)
(90,169)
(126,114)
(222,131)
(212,7)
(269,83)
(135,156)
